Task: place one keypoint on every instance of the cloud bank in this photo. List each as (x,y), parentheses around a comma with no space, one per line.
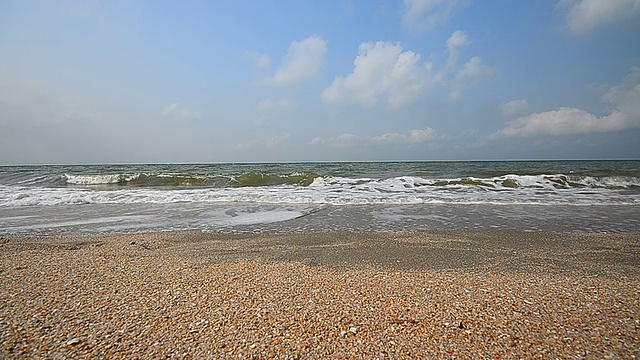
(567,120)
(416,136)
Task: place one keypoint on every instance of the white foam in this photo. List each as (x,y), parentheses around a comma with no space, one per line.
(98,179)
(76,222)
(259,217)
(538,189)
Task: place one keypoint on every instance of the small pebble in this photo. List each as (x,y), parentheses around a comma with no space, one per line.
(74,341)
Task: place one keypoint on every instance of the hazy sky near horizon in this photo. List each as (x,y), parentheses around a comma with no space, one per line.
(288,80)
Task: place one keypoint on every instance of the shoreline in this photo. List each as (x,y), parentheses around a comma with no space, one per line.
(434,294)
(586,253)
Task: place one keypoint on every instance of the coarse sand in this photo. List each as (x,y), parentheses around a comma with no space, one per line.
(195,295)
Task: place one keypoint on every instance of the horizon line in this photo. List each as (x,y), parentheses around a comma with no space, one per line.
(305,162)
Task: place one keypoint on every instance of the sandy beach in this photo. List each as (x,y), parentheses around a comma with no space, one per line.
(321,295)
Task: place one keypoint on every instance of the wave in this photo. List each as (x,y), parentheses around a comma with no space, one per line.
(505,182)
(247,179)
(309,189)
(383,178)
(275,184)
(306,179)
(260,179)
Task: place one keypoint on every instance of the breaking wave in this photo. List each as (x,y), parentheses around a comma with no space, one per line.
(190,180)
(311,188)
(256,179)
(559,181)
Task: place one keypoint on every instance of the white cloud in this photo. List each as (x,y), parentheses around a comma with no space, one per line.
(513,107)
(390,138)
(566,120)
(470,74)
(414,137)
(340,141)
(383,69)
(345,140)
(457,39)
(428,13)
(302,62)
(627,95)
(587,15)
(316,141)
(181,113)
(474,70)
(418,136)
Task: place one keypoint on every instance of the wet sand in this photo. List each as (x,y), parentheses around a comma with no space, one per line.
(321,295)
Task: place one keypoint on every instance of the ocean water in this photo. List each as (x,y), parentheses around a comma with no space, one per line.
(558,196)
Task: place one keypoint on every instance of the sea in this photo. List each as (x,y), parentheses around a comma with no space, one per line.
(291,198)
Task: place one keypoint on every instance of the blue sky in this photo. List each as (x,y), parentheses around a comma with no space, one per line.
(226,81)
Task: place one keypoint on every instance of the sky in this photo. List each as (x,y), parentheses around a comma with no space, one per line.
(128,81)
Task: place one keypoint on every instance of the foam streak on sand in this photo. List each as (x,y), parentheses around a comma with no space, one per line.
(462,295)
